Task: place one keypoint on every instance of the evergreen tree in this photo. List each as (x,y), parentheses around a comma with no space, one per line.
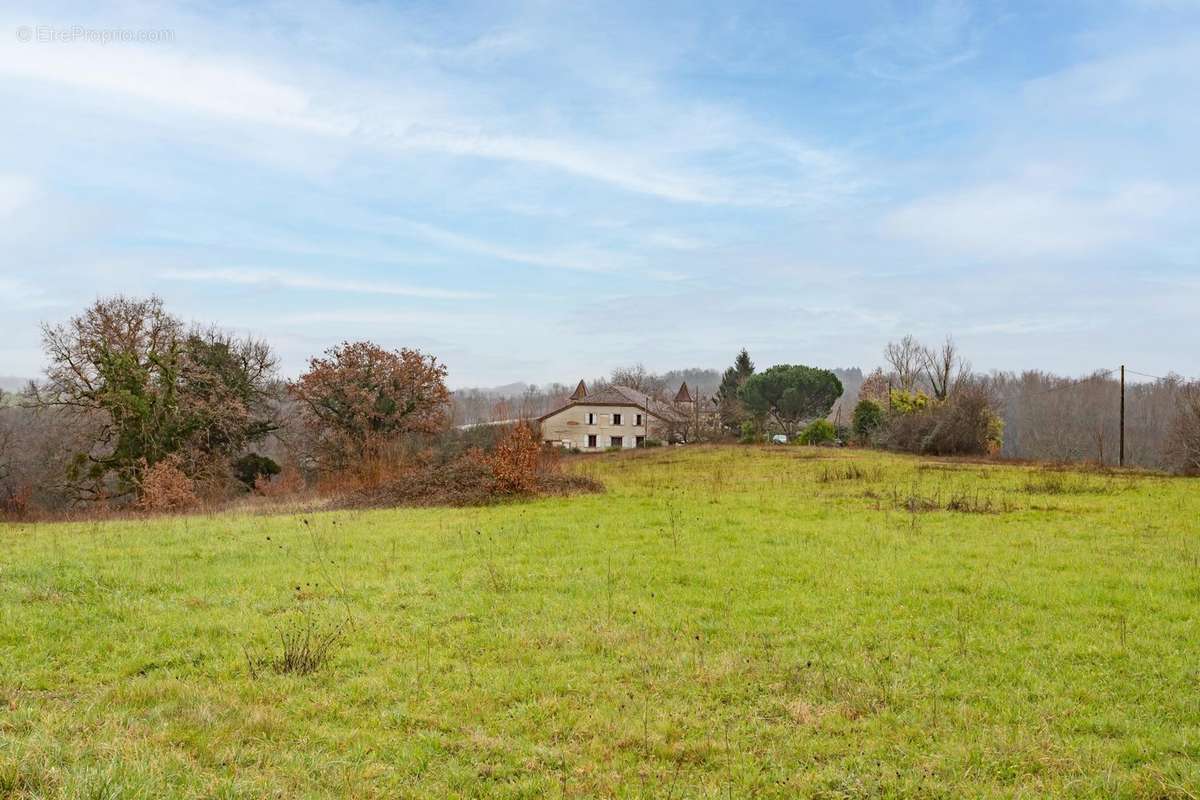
(791,395)
(732,410)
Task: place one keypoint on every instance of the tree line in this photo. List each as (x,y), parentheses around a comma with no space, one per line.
(137,407)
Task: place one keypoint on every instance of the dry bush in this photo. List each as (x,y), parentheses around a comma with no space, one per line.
(518,466)
(515,461)
(288,483)
(165,487)
(15,501)
(468,481)
(557,483)
(964,425)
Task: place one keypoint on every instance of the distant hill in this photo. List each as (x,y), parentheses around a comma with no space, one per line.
(507,390)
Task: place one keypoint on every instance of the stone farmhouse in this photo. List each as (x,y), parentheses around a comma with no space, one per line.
(617,416)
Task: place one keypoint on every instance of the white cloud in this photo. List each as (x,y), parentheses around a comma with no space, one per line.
(1150,78)
(428,113)
(225,89)
(580,259)
(270,278)
(1030,217)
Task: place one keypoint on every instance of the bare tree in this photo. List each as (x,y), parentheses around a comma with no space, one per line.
(638,377)
(944,368)
(7,439)
(1185,441)
(904,357)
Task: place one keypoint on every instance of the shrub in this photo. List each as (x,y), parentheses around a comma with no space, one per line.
(751,432)
(165,487)
(251,468)
(16,500)
(904,402)
(868,418)
(288,482)
(819,432)
(652,442)
(964,424)
(468,481)
(515,462)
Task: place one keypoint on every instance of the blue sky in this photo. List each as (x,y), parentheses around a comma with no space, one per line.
(539,191)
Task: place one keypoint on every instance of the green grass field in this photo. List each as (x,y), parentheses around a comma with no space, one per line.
(724,622)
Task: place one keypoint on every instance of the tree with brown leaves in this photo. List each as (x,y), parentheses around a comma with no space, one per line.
(359,398)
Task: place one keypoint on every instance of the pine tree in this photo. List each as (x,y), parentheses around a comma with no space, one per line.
(733,378)
(732,411)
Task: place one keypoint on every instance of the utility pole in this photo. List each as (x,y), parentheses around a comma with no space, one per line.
(1121,461)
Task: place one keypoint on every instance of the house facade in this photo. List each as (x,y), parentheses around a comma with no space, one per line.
(616,416)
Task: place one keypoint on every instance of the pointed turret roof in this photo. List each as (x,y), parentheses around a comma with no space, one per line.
(580,391)
(683,395)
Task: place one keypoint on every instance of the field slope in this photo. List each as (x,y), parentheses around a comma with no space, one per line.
(723,622)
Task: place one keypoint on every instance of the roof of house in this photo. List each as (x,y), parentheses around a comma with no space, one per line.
(623,396)
(683,395)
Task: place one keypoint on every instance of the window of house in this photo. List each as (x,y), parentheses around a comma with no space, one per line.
(640,441)
(591,440)
(617,441)
(639,420)
(591,418)
(616,419)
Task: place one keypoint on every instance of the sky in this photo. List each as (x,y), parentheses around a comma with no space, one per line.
(539,191)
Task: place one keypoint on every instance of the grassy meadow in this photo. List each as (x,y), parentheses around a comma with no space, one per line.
(722,622)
